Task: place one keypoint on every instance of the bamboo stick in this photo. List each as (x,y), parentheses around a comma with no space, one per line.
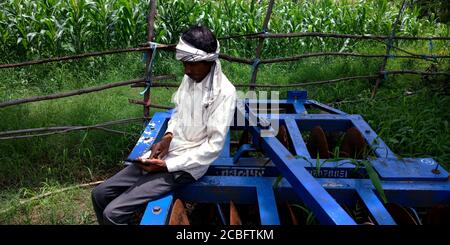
(76,92)
(80,56)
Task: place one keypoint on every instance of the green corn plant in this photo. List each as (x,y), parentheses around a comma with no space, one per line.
(277,182)
(52,27)
(318,163)
(373,176)
(78,23)
(310,220)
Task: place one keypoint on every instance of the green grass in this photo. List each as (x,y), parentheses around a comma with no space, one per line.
(412,126)
(70,207)
(76,155)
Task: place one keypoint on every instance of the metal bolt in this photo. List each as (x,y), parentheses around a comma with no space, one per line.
(436,170)
(427,161)
(156,210)
(367,131)
(146,138)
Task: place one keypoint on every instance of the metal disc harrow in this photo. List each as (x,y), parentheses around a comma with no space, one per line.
(291,165)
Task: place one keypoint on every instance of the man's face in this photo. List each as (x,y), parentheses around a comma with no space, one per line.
(197,70)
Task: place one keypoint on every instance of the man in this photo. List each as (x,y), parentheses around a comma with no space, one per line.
(195,136)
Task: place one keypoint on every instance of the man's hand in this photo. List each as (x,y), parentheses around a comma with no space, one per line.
(152,165)
(154,162)
(160,149)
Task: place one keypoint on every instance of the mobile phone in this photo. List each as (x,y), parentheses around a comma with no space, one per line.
(133,160)
(145,155)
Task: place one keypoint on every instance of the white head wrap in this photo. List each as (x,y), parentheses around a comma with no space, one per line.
(188,53)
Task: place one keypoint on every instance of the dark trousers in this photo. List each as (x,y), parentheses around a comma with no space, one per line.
(119,197)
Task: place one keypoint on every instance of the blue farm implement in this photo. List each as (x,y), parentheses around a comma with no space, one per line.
(299,158)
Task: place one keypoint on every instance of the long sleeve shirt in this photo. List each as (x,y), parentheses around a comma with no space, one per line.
(199,129)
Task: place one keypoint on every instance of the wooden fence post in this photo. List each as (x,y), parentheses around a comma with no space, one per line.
(150,36)
(388,51)
(260,46)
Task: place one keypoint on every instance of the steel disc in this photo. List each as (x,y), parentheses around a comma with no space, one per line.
(317,143)
(235,218)
(178,215)
(353,145)
(283,136)
(400,214)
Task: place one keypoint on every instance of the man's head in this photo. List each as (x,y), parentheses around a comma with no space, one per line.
(197,71)
(199,37)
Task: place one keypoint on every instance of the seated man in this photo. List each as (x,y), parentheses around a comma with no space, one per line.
(195,136)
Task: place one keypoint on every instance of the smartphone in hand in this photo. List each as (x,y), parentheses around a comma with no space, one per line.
(144,156)
(147,154)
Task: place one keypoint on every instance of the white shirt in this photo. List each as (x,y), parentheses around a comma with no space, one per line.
(199,129)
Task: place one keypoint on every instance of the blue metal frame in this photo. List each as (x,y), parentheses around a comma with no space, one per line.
(157,212)
(407,181)
(152,133)
(222,189)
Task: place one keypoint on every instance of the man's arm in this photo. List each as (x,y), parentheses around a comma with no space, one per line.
(217,129)
(160,149)
(172,122)
(174,117)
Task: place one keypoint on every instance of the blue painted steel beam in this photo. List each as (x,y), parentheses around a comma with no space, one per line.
(411,192)
(388,165)
(324,107)
(307,116)
(406,193)
(391,168)
(344,164)
(289,102)
(297,98)
(296,138)
(152,133)
(294,95)
(299,107)
(243,149)
(216,189)
(375,142)
(307,122)
(212,189)
(409,169)
(219,190)
(375,206)
(246,166)
(260,101)
(243,161)
(326,209)
(268,211)
(249,166)
(157,211)
(324,206)
(225,189)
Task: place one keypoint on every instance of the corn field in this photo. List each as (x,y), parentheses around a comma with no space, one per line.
(44,28)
